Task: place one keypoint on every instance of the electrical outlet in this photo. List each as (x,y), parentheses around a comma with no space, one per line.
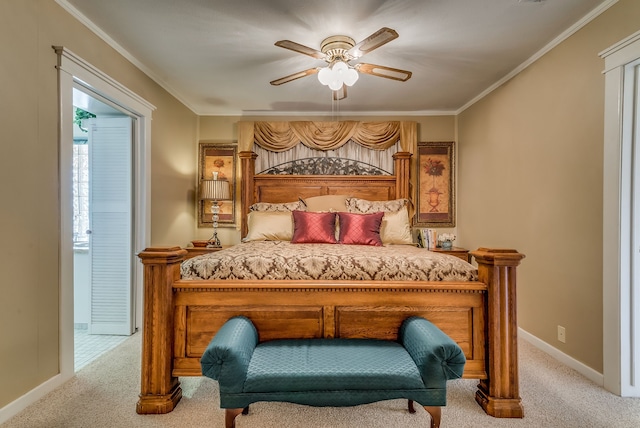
(562,334)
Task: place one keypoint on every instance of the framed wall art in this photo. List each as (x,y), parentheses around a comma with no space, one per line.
(436,188)
(219,158)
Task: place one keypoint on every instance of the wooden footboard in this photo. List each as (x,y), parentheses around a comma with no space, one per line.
(181,317)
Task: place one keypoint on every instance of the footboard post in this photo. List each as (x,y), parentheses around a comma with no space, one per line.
(159,390)
(499,394)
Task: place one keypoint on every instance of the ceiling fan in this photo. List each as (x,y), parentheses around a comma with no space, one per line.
(338,51)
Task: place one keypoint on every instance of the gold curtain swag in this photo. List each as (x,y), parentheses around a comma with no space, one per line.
(282,136)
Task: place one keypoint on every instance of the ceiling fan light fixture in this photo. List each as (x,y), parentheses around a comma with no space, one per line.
(339,67)
(324,75)
(337,74)
(335,85)
(351,77)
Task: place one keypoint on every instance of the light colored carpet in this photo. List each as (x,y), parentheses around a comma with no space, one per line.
(104,394)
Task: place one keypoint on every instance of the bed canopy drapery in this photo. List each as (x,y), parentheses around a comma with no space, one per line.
(282,136)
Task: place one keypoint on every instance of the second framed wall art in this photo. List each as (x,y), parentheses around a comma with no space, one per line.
(435,205)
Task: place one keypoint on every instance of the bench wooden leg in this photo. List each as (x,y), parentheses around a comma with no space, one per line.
(434,411)
(436,415)
(230,417)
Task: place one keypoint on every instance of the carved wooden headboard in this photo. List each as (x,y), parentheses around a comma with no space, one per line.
(289,188)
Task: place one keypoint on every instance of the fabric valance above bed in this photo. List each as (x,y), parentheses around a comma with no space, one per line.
(283,260)
(282,136)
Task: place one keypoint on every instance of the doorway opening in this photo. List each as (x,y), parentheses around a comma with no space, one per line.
(76,74)
(102,180)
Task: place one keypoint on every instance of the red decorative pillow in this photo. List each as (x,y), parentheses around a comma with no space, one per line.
(360,229)
(313,228)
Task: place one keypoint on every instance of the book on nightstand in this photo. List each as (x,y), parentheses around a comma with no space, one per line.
(428,238)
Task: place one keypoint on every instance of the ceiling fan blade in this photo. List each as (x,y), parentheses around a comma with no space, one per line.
(382,71)
(297,47)
(340,94)
(294,76)
(374,41)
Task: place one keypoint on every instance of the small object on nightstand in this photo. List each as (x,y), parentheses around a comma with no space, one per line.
(445,241)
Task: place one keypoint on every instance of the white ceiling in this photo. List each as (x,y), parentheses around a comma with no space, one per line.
(218,56)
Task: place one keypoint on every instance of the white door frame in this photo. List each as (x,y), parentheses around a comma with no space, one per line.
(621,294)
(72,68)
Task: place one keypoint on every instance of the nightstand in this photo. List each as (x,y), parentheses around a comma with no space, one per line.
(196,251)
(460,253)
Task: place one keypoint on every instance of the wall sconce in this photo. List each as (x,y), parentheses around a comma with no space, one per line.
(215,190)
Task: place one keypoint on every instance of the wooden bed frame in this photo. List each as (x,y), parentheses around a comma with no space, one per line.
(181,317)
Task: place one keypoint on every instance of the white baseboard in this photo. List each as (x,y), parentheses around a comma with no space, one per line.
(21,403)
(565,359)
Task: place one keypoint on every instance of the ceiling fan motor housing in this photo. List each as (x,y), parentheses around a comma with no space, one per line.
(336,47)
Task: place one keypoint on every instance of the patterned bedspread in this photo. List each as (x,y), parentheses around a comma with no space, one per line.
(284,260)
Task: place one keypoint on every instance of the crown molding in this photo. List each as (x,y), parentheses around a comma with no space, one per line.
(122,51)
(555,42)
(342,113)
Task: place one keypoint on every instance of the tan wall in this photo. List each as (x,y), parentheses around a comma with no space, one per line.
(29,175)
(224,129)
(530,177)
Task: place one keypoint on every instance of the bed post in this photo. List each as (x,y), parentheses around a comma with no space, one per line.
(247,168)
(159,390)
(402,163)
(499,394)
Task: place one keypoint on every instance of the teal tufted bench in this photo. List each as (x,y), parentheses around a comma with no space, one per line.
(332,372)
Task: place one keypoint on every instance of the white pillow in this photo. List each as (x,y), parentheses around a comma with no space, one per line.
(395,228)
(326,203)
(269,226)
